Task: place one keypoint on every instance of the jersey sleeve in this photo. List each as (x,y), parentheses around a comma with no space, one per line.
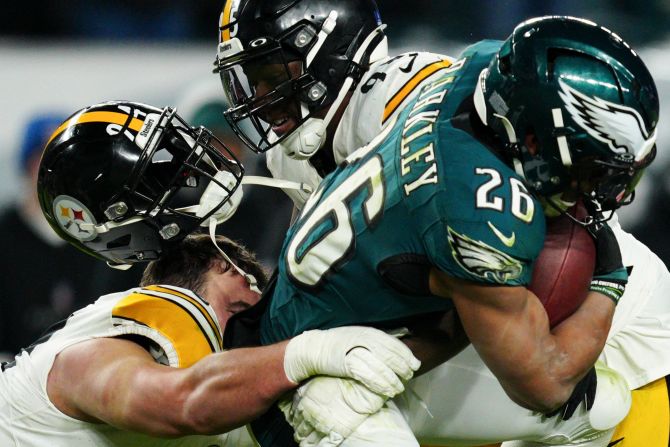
(179,322)
(478,222)
(464,249)
(383,92)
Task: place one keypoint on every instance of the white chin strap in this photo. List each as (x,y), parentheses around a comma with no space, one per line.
(249,278)
(215,194)
(310,136)
(481,109)
(122,267)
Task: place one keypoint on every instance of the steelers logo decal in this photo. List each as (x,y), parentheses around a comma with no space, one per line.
(74,218)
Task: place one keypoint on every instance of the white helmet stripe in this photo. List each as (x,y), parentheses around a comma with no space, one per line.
(562,141)
(327,28)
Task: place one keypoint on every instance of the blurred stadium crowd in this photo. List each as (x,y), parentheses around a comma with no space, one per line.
(52,53)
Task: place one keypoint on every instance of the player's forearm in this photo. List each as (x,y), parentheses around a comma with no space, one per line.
(581,337)
(557,362)
(230,389)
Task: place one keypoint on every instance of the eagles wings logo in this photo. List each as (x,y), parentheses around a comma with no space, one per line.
(618,126)
(482,260)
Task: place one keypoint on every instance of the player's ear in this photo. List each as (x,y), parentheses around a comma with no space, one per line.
(224,266)
(219,266)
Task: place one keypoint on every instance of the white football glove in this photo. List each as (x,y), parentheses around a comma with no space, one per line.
(326,410)
(377,360)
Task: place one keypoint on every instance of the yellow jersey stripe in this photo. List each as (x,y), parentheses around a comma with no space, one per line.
(225,20)
(402,94)
(98,117)
(170,319)
(212,322)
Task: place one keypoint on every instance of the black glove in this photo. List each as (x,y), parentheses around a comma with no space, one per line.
(585,391)
(609,276)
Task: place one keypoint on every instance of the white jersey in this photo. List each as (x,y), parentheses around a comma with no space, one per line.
(181,329)
(638,345)
(461,402)
(387,86)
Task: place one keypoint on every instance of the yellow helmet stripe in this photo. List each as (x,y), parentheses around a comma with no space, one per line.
(402,94)
(225,20)
(98,117)
(170,319)
(213,325)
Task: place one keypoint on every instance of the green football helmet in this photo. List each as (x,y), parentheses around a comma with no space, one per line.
(577,107)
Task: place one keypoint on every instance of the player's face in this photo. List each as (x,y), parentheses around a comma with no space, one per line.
(608,182)
(282,114)
(228,292)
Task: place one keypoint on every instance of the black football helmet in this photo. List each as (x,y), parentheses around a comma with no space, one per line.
(114,179)
(588,100)
(331,44)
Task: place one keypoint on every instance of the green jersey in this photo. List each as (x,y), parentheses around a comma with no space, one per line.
(425,193)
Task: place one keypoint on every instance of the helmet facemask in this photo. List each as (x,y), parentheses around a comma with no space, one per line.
(610,183)
(177,164)
(314,58)
(269,87)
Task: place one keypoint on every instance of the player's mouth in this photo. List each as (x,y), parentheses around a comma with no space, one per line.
(283,125)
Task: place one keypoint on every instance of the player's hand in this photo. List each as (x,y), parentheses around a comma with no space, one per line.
(326,410)
(585,391)
(377,360)
(609,276)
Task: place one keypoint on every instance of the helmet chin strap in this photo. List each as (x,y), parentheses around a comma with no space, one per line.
(511,137)
(249,278)
(122,267)
(482,112)
(214,195)
(310,136)
(210,199)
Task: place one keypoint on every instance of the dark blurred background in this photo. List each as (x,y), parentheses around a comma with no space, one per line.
(57,57)
(638,21)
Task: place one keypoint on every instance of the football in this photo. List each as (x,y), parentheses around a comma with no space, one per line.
(562,273)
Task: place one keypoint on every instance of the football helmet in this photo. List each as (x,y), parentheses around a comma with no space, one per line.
(287,65)
(583,98)
(115,177)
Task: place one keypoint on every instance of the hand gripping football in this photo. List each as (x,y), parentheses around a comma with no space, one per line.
(563,271)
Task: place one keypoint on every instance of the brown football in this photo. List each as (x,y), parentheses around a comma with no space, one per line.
(562,273)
